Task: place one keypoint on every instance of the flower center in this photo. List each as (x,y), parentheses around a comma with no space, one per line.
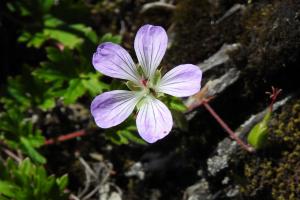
(152,91)
(144,82)
(148,87)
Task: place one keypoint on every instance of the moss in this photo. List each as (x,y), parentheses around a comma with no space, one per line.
(271,45)
(278,173)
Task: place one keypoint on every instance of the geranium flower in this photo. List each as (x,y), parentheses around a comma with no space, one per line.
(154,120)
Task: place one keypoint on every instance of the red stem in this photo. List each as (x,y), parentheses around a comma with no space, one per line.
(274,94)
(226,127)
(69,136)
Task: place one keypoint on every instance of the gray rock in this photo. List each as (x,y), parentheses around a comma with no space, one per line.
(198,191)
(136,170)
(220,57)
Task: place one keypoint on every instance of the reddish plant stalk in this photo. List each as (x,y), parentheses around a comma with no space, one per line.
(69,136)
(273,96)
(226,127)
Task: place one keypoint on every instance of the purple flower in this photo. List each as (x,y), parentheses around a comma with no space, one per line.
(154,120)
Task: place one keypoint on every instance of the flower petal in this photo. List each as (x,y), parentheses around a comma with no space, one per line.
(150,45)
(182,81)
(111,108)
(154,120)
(114,61)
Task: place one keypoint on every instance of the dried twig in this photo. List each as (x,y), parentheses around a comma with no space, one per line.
(73,197)
(157,4)
(88,173)
(12,155)
(230,12)
(99,176)
(9,153)
(90,194)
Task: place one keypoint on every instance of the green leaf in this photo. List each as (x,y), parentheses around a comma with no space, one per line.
(24,11)
(25,167)
(49,183)
(3,171)
(26,91)
(28,181)
(62,182)
(87,31)
(24,37)
(75,90)
(35,155)
(116,138)
(46,5)
(93,85)
(108,37)
(53,22)
(36,139)
(180,120)
(66,38)
(177,104)
(54,54)
(37,40)
(124,133)
(49,74)
(17,91)
(7,189)
(4,198)
(47,104)
(132,136)
(60,67)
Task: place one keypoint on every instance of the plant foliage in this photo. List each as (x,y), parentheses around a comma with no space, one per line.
(26,181)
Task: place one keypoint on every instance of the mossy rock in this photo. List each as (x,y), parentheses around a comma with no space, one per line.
(276,170)
(271,37)
(269,32)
